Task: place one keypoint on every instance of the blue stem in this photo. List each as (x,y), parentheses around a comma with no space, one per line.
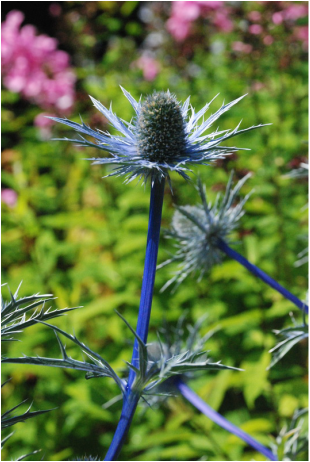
(129,406)
(131,397)
(263,276)
(203,407)
(156,205)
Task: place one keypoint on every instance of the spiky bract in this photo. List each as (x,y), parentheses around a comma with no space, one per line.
(164,136)
(198,228)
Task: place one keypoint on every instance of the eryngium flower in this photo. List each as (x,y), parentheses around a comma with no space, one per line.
(164,136)
(197,230)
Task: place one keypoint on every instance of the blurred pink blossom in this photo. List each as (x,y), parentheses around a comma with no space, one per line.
(9,197)
(277,18)
(242,47)
(32,66)
(55,9)
(178,28)
(184,13)
(255,29)
(149,66)
(302,33)
(257,86)
(296,11)
(44,125)
(218,14)
(268,40)
(254,16)
(42,121)
(210,5)
(222,21)
(187,10)
(291,12)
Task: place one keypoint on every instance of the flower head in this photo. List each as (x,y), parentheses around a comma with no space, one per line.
(198,228)
(181,355)
(160,361)
(164,136)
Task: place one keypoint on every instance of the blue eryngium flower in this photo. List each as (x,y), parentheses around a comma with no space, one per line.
(202,232)
(197,229)
(164,136)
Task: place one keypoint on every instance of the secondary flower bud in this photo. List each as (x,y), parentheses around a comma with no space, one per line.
(197,229)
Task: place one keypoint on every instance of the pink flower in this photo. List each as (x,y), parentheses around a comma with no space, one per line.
(255,29)
(42,121)
(291,13)
(268,40)
(9,197)
(254,16)
(222,22)
(302,33)
(242,47)
(179,29)
(187,10)
(32,66)
(210,5)
(149,66)
(277,18)
(44,125)
(296,11)
(183,14)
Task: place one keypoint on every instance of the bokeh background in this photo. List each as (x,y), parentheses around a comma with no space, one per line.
(68,232)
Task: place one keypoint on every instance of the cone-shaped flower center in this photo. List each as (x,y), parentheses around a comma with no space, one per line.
(160,128)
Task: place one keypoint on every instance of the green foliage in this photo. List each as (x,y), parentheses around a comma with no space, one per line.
(291,443)
(290,336)
(83,239)
(13,321)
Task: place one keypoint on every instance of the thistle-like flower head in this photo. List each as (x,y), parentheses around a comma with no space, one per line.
(164,136)
(181,355)
(160,361)
(198,228)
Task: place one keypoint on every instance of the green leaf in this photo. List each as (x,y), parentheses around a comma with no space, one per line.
(255,378)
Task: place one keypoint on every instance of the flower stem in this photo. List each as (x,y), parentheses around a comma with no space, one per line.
(263,276)
(156,205)
(129,406)
(131,397)
(203,407)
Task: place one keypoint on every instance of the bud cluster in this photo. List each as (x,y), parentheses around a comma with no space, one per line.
(160,128)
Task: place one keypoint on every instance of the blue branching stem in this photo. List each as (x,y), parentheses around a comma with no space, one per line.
(263,276)
(131,397)
(203,407)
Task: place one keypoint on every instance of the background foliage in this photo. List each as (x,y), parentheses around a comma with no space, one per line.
(82,238)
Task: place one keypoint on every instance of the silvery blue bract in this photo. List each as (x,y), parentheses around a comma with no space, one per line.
(130,151)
